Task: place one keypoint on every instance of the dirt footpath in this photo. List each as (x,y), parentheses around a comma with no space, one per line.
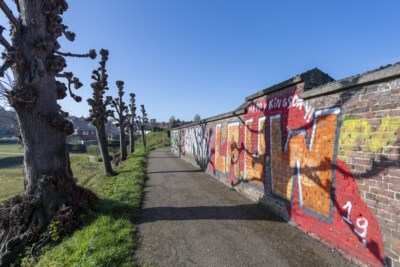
(191,219)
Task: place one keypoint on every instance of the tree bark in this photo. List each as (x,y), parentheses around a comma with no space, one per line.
(131,139)
(143,136)
(122,143)
(50,190)
(102,139)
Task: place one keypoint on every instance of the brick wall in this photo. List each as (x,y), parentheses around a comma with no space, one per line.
(323,155)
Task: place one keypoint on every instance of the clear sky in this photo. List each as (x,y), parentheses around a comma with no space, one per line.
(187,57)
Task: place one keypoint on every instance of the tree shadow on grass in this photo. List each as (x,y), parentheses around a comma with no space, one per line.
(112,208)
(10,162)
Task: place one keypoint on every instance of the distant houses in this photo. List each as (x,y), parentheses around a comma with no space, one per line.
(85,132)
(8,122)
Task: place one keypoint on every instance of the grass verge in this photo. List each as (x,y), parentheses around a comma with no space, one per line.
(107,235)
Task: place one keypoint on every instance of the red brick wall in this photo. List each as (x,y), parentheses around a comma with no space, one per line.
(329,164)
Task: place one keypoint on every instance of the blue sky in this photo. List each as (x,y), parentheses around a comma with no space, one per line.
(187,57)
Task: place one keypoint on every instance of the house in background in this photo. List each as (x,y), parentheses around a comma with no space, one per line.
(85,132)
(8,122)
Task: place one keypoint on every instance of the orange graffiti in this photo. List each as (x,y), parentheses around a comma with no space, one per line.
(254,162)
(312,165)
(227,137)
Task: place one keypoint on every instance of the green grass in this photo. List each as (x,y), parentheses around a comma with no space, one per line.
(107,237)
(85,171)
(155,140)
(11,176)
(11,148)
(11,173)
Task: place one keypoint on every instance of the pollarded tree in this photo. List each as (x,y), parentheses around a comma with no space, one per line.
(98,112)
(119,106)
(131,122)
(34,56)
(142,122)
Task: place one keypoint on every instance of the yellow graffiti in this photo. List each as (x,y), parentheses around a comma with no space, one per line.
(359,132)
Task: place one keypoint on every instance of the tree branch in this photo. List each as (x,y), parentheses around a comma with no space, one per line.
(5,66)
(3,41)
(92,54)
(7,11)
(71,80)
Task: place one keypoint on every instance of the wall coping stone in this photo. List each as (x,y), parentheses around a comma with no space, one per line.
(382,73)
(311,79)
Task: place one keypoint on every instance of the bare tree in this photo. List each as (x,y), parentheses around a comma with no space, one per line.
(98,112)
(131,122)
(119,106)
(34,56)
(142,123)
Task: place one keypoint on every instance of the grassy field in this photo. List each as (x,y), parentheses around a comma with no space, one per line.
(11,176)
(11,148)
(11,173)
(107,237)
(11,168)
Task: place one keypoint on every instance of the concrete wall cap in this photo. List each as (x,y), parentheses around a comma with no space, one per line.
(382,73)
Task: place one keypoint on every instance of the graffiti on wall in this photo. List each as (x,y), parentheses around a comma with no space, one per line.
(195,143)
(288,150)
(254,144)
(370,139)
(254,161)
(227,150)
(305,161)
(175,141)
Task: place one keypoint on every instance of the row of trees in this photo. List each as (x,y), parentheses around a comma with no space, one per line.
(34,56)
(124,116)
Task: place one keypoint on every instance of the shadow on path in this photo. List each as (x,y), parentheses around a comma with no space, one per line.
(172,157)
(183,171)
(251,212)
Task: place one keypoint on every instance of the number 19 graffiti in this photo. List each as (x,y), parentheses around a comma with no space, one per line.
(361,223)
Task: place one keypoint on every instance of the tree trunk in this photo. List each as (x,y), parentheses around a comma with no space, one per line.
(102,139)
(143,137)
(50,190)
(131,140)
(122,143)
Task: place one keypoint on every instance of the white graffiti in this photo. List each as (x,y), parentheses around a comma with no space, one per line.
(195,143)
(175,141)
(361,223)
(257,107)
(292,102)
